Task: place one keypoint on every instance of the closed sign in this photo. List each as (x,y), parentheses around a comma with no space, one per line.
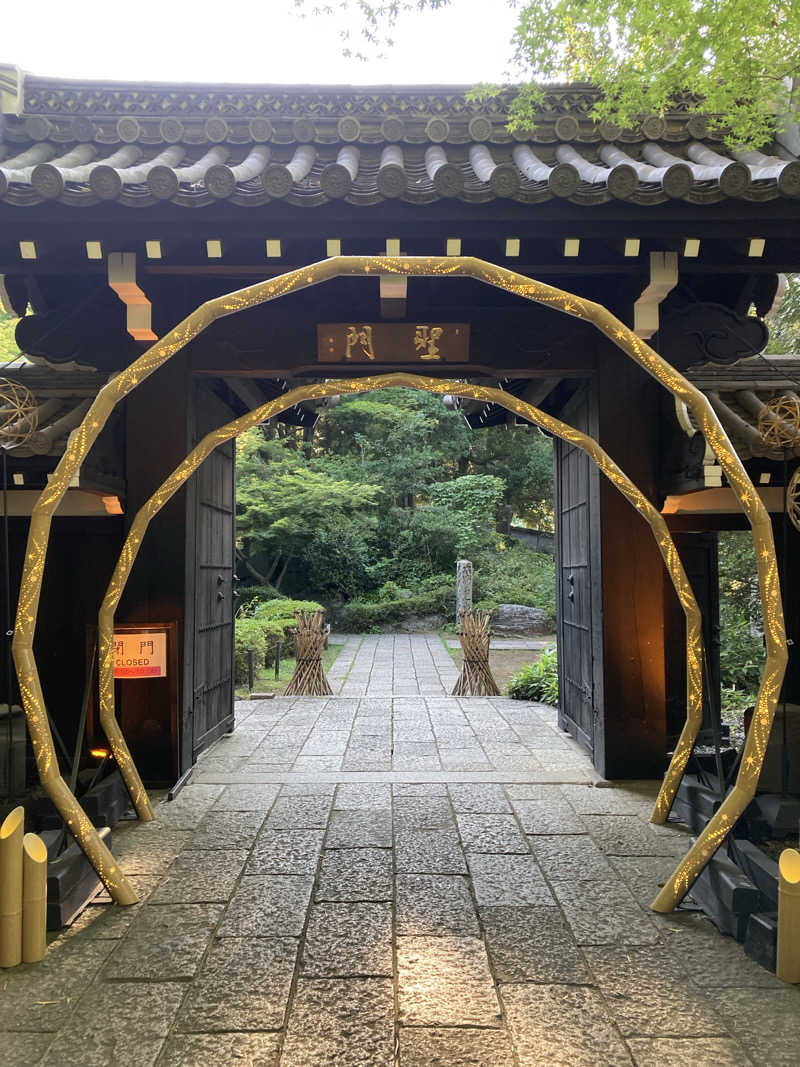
(140,655)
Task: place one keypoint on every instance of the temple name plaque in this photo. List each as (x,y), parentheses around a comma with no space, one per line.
(142,654)
(393,342)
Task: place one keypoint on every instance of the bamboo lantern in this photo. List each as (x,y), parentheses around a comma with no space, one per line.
(476,675)
(34,898)
(11,888)
(788,965)
(309,677)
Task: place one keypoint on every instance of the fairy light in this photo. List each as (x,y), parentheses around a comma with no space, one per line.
(634,347)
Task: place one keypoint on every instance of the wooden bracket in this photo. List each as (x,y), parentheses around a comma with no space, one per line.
(394,292)
(122,279)
(663,279)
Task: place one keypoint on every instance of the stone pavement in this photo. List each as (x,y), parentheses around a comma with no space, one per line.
(402,664)
(302,906)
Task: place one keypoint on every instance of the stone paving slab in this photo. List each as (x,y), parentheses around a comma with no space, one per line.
(434,905)
(454,1047)
(165,941)
(348,1022)
(268,906)
(532,944)
(286,852)
(243,985)
(491,833)
(349,941)
(562,1026)
(297,911)
(512,880)
(445,981)
(645,1002)
(356,874)
(221,1050)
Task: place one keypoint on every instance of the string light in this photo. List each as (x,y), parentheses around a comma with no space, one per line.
(634,347)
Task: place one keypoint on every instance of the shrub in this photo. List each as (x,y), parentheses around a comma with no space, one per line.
(433,596)
(260,626)
(537,681)
(262,635)
(251,595)
(515,575)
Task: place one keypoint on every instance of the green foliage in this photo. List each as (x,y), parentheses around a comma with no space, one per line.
(515,575)
(282,609)
(8,346)
(390,490)
(784,328)
(262,635)
(736,701)
(436,596)
(741,646)
(738,59)
(733,57)
(260,625)
(537,681)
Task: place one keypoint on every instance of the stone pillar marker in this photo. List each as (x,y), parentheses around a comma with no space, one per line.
(463,587)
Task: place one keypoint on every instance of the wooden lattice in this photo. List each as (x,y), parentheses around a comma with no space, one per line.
(779,422)
(476,675)
(309,677)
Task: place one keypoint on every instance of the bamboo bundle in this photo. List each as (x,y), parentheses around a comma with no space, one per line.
(309,677)
(476,676)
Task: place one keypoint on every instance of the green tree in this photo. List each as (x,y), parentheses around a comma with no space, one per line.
(283,505)
(784,328)
(737,60)
(401,439)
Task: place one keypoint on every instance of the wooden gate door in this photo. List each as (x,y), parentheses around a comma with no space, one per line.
(208,667)
(578,589)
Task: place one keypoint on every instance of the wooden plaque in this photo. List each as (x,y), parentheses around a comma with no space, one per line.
(393,342)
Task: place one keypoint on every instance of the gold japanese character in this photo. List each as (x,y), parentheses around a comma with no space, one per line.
(425,338)
(359,338)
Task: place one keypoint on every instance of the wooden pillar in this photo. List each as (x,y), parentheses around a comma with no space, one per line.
(787,545)
(156,442)
(633,590)
(699,555)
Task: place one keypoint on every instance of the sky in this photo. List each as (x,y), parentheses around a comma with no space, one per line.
(256,42)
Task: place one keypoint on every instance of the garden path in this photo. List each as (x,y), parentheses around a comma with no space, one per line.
(396,878)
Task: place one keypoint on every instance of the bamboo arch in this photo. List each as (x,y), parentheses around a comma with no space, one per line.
(490,274)
(184,470)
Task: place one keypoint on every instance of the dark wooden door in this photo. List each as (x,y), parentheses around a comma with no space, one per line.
(579,603)
(208,670)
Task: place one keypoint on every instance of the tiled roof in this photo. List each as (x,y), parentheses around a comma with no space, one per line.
(84,143)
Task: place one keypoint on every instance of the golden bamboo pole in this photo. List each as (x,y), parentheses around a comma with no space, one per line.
(683,589)
(437,266)
(788,963)
(34,898)
(11,833)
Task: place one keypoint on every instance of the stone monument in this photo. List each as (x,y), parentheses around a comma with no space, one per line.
(463,587)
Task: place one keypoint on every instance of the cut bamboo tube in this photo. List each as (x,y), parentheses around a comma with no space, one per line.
(34,898)
(788,967)
(11,888)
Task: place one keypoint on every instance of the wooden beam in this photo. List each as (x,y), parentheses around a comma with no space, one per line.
(122,279)
(663,279)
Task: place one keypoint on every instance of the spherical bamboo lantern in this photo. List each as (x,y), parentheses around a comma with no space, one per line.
(18,414)
(779,422)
